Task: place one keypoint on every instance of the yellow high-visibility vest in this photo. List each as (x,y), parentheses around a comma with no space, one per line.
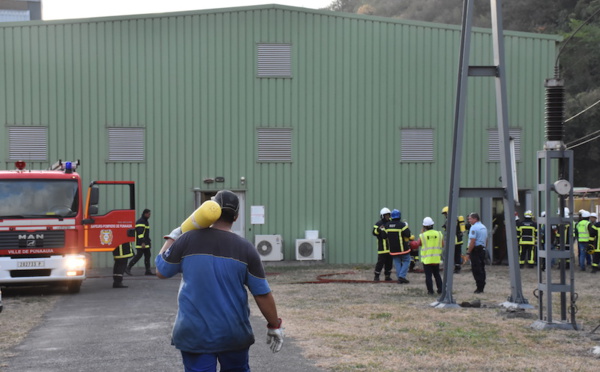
(583,234)
(431,247)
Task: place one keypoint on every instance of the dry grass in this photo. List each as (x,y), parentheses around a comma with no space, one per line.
(365,326)
(390,327)
(23,309)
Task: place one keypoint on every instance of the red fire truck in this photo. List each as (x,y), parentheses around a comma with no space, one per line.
(46,227)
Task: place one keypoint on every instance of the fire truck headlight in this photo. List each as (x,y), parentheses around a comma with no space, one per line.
(75,263)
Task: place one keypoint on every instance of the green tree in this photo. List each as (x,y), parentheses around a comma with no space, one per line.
(347,6)
(580,69)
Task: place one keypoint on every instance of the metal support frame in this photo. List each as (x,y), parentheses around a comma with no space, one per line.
(506,192)
(548,164)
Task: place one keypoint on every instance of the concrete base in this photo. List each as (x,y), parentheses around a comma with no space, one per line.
(541,325)
(513,306)
(443,305)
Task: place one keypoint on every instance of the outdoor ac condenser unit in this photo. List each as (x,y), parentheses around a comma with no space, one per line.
(269,247)
(309,249)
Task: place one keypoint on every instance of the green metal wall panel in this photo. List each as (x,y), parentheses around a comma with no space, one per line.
(190,80)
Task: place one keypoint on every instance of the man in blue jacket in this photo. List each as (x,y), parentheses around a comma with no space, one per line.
(212,323)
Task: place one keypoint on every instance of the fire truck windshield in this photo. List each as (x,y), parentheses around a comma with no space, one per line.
(38,198)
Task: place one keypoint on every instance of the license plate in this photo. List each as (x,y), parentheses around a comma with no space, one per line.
(30,264)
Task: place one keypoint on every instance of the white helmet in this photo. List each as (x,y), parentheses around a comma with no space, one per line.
(566,212)
(528,214)
(585,214)
(543,214)
(427,221)
(384,211)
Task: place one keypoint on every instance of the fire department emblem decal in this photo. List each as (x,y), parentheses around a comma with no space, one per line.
(106,237)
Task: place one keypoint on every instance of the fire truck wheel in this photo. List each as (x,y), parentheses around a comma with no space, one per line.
(74,287)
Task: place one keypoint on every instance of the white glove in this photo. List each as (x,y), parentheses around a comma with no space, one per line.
(176,233)
(275,337)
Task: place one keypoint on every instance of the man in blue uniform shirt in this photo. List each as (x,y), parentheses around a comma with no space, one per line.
(476,250)
(212,323)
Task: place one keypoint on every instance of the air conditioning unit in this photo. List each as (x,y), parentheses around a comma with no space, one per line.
(309,249)
(269,247)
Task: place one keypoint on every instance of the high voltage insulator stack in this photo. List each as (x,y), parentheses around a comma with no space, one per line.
(555,104)
(555,193)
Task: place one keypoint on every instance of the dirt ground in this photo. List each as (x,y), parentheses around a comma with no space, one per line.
(345,322)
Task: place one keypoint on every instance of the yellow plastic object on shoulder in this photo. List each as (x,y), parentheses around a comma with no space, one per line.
(207,214)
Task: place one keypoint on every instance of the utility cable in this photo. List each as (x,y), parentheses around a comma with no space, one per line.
(589,107)
(572,143)
(582,143)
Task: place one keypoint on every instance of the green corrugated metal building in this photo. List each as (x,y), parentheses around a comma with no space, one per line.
(317,118)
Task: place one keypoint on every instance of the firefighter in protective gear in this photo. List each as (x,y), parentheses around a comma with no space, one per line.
(527,237)
(120,255)
(398,235)
(582,234)
(560,232)
(458,239)
(384,260)
(414,255)
(142,243)
(432,244)
(499,249)
(594,246)
(542,231)
(542,240)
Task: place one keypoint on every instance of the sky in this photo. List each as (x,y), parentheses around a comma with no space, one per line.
(64,9)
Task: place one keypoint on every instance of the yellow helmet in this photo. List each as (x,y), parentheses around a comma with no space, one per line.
(445,210)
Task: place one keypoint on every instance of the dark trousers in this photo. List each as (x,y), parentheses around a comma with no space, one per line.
(584,257)
(385,262)
(527,254)
(414,259)
(138,254)
(595,261)
(457,256)
(118,269)
(478,266)
(432,270)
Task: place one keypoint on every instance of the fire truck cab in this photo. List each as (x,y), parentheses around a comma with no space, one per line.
(46,227)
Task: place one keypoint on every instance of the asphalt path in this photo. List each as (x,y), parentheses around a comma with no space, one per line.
(104,329)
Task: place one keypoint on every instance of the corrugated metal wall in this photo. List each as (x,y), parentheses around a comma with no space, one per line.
(190,80)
